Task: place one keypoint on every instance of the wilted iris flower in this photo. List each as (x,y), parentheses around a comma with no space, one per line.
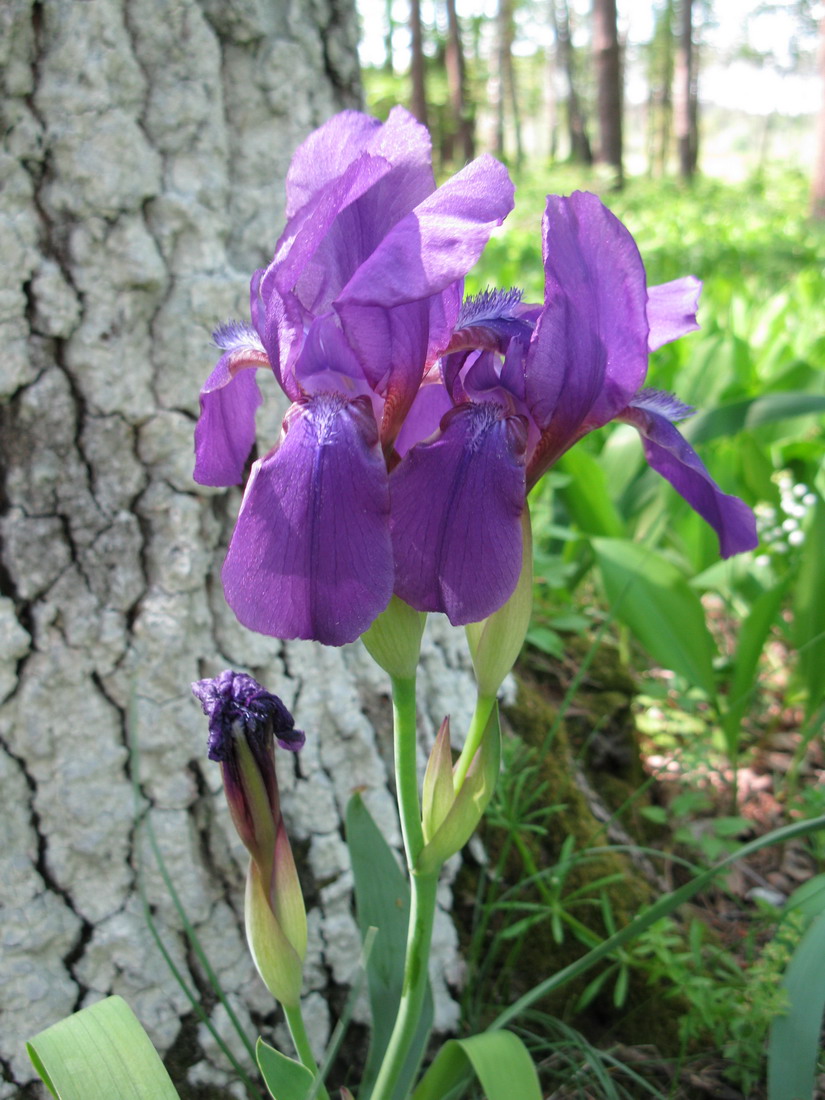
(245,720)
(519,385)
(362,294)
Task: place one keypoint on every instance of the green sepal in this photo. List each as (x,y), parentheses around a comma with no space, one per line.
(276,960)
(100,1052)
(469,803)
(499,1059)
(394,639)
(284,1078)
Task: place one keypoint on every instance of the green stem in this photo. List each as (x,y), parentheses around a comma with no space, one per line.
(422,893)
(405,727)
(419,935)
(295,1022)
(484,707)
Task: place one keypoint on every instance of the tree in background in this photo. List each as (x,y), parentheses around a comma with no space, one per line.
(418,100)
(580,150)
(607,62)
(686,93)
(505,94)
(660,84)
(463,119)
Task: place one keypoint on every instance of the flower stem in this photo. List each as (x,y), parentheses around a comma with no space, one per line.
(484,707)
(298,1031)
(422,890)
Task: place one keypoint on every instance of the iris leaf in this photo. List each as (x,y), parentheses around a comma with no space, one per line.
(499,1059)
(100,1052)
(653,598)
(383,902)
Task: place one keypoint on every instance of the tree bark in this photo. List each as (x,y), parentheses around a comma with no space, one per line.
(686,99)
(818,181)
(506,91)
(457,81)
(145,147)
(608,86)
(418,72)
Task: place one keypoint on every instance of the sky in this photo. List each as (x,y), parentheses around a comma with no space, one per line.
(735,85)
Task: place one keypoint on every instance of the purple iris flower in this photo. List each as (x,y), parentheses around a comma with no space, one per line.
(518,386)
(362,295)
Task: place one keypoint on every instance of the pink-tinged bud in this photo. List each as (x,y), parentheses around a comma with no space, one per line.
(244,722)
(451,817)
(496,641)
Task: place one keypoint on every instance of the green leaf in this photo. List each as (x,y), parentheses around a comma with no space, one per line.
(285,1078)
(587,498)
(766,409)
(751,642)
(498,1059)
(100,1052)
(653,598)
(793,1044)
(809,609)
(382,898)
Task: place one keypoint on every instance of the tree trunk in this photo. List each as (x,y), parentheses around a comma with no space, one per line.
(389,30)
(418,75)
(580,151)
(457,81)
(608,86)
(145,146)
(686,100)
(661,83)
(818,182)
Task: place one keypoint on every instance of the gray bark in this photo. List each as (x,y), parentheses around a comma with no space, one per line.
(145,148)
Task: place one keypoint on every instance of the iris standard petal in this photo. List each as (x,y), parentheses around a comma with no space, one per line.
(402,303)
(591,262)
(669,453)
(456,508)
(671,310)
(225,432)
(311,555)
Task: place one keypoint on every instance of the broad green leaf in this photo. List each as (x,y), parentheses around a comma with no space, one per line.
(99,1053)
(285,1078)
(766,409)
(498,1059)
(793,1044)
(653,598)
(382,898)
(809,608)
(752,634)
(587,498)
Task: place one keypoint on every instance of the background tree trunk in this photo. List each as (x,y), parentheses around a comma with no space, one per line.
(145,146)
(608,86)
(580,150)
(686,100)
(418,71)
(462,120)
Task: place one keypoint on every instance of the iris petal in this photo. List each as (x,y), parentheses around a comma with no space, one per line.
(671,310)
(311,555)
(673,457)
(225,432)
(456,508)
